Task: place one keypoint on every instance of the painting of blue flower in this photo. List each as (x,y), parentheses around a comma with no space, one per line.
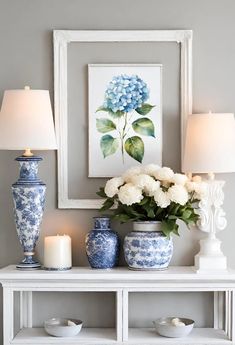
(125,94)
(126,117)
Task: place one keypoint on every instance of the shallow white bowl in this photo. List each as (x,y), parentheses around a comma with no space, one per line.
(58,327)
(165,328)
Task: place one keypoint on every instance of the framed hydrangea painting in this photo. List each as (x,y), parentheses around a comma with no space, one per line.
(125,117)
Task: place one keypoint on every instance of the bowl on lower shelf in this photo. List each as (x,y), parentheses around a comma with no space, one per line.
(173,327)
(59,327)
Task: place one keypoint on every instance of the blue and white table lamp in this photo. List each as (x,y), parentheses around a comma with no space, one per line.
(210,149)
(26,123)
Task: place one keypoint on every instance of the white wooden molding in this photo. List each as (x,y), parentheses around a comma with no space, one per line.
(61,40)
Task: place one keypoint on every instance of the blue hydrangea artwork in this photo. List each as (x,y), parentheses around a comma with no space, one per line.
(124,95)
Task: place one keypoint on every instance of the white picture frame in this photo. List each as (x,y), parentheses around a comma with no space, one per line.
(61,40)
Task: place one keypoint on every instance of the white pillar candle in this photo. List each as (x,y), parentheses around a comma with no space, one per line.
(57,252)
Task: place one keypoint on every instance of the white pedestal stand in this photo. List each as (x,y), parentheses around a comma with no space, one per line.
(212,219)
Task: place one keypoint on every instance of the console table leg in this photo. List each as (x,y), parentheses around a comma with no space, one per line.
(219,309)
(233,317)
(125,317)
(26,309)
(8,321)
(119,315)
(228,312)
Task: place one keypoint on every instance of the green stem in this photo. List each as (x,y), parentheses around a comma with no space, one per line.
(123,136)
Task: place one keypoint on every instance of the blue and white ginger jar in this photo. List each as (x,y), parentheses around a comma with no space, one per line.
(147,248)
(102,244)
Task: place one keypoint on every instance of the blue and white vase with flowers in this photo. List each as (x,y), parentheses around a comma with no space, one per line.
(154,198)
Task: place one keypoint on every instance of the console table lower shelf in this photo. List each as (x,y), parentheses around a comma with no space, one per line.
(121,283)
(108,336)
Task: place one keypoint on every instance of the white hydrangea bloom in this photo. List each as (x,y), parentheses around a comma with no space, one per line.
(152,188)
(161,198)
(164,174)
(199,188)
(141,180)
(130,194)
(146,183)
(111,187)
(178,194)
(151,169)
(128,174)
(179,179)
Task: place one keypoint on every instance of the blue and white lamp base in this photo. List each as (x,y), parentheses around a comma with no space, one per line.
(28,263)
(29,200)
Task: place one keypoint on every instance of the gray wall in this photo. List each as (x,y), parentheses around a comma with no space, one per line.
(26,57)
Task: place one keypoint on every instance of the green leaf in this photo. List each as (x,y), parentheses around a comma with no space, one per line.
(168,226)
(134,146)
(187,214)
(105,125)
(109,145)
(101,193)
(144,201)
(151,213)
(159,211)
(165,228)
(107,205)
(130,211)
(176,229)
(144,109)
(144,126)
(116,114)
(172,217)
(102,109)
(122,217)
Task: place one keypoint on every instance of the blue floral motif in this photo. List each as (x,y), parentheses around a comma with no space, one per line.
(28,170)
(102,245)
(145,250)
(102,223)
(125,93)
(29,200)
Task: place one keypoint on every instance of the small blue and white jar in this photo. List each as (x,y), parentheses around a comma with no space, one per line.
(102,245)
(147,248)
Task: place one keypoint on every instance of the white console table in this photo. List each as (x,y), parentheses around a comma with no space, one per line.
(121,282)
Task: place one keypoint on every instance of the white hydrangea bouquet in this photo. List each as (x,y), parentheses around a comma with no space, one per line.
(151,193)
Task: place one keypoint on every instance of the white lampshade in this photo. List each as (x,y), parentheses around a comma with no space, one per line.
(26,120)
(209,144)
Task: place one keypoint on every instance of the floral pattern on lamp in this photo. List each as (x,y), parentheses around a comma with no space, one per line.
(29,200)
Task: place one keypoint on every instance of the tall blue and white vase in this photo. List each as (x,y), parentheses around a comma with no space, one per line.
(102,244)
(147,248)
(29,199)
